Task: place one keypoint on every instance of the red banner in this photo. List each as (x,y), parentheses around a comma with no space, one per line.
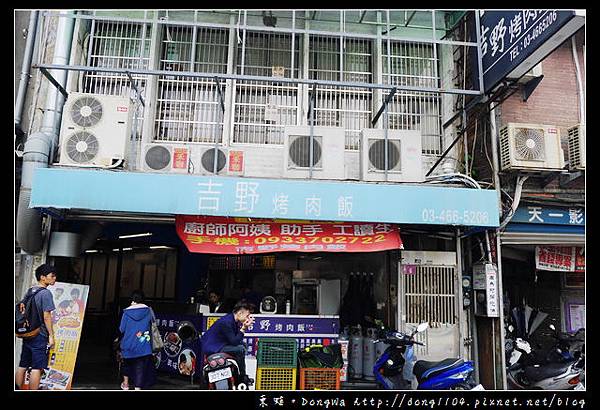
(555,258)
(221,235)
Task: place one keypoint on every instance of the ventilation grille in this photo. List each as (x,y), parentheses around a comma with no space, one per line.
(576,147)
(299,151)
(86,111)
(82,147)
(158,158)
(530,144)
(208,160)
(377,155)
(504,147)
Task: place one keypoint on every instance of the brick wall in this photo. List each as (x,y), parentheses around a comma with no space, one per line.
(555,101)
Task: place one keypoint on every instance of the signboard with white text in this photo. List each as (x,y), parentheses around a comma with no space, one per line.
(514,41)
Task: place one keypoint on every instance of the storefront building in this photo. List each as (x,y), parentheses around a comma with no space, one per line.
(204,150)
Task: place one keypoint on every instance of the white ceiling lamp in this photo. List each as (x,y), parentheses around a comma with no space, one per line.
(135,235)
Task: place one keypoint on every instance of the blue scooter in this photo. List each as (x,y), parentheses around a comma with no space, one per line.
(397,366)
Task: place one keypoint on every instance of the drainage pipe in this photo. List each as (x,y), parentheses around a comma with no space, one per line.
(39,148)
(26,67)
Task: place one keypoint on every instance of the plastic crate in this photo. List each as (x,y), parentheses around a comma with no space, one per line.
(319,379)
(276,378)
(277,352)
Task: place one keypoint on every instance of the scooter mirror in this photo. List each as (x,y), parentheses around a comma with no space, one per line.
(422,327)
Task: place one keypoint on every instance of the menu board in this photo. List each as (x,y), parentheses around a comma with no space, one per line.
(70,300)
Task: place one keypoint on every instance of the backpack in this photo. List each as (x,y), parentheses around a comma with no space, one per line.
(29,323)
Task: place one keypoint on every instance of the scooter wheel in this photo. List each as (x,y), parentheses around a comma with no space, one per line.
(461,386)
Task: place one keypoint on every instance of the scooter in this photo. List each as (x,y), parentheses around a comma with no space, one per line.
(526,372)
(397,367)
(220,371)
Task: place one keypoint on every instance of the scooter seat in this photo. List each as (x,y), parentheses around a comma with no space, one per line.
(424,369)
(545,371)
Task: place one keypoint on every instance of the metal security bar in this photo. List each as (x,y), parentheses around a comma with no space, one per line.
(349,108)
(188,109)
(414,64)
(431,296)
(262,109)
(120,45)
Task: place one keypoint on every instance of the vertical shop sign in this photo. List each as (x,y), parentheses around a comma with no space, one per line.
(555,258)
(70,300)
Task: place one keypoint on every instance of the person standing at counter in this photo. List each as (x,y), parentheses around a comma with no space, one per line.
(226,335)
(215,303)
(250,296)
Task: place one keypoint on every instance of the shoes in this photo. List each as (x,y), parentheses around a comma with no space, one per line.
(124,386)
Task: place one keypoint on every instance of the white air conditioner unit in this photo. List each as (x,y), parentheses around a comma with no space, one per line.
(95,130)
(404,156)
(577,147)
(229,161)
(530,147)
(328,152)
(168,158)
(535,72)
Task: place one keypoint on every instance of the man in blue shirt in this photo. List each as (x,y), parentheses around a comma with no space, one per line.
(34,353)
(226,335)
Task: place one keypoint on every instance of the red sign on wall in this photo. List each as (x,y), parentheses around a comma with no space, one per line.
(236,161)
(180,158)
(221,235)
(555,258)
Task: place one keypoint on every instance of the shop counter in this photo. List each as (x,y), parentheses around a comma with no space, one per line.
(306,329)
(180,357)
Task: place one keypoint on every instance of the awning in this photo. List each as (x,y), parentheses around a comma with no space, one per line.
(150,193)
(533,234)
(211,234)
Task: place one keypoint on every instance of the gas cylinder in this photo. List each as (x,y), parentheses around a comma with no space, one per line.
(355,368)
(369,354)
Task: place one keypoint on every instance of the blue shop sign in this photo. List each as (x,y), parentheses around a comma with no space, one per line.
(510,37)
(262,198)
(281,325)
(539,214)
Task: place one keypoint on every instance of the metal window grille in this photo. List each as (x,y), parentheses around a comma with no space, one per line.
(188,109)
(349,108)
(429,295)
(262,109)
(414,64)
(113,44)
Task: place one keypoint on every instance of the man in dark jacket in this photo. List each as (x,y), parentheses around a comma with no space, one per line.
(227,334)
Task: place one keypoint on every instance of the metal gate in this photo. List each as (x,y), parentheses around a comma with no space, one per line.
(428,293)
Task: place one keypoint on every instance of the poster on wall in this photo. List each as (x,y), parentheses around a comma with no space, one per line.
(555,258)
(580,259)
(70,300)
(576,317)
